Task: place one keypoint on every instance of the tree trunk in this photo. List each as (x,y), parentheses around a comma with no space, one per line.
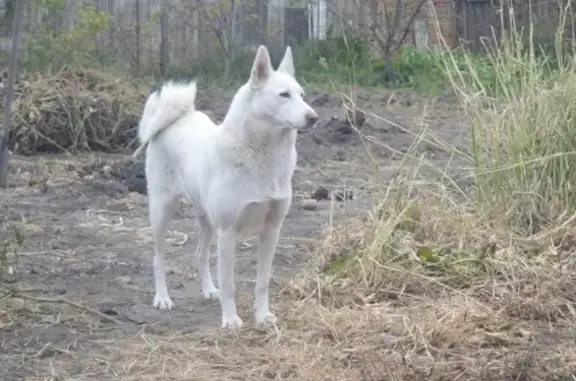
(227,67)
(137,58)
(112,29)
(391,75)
(230,39)
(164,53)
(8,19)
(12,68)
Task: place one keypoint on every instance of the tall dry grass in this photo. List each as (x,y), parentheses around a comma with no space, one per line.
(523,131)
(521,210)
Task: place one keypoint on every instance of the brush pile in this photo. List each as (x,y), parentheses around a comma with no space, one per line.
(74,110)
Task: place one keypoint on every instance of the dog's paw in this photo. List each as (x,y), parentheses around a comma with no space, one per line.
(232,322)
(211,294)
(163,302)
(265,319)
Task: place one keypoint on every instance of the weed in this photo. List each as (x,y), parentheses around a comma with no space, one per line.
(10,246)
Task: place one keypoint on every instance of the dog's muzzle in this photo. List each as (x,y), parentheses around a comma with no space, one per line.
(311,120)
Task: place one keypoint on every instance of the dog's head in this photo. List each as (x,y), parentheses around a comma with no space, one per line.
(277,96)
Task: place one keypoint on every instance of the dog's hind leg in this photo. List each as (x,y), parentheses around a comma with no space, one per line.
(161,208)
(209,290)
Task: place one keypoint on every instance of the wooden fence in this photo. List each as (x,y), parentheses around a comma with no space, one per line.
(136,36)
(482,23)
(193,29)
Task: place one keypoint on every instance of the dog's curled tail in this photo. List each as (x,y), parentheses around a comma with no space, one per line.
(163,108)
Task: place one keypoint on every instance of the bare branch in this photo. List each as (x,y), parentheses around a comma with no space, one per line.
(389,28)
(409,24)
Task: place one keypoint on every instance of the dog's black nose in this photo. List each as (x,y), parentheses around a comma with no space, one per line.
(311,119)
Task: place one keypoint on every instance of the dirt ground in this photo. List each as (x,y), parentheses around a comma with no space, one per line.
(87,245)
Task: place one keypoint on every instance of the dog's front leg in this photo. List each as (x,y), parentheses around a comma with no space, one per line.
(226,257)
(268,241)
(269,236)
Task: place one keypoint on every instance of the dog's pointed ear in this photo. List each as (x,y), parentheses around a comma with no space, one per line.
(261,68)
(287,64)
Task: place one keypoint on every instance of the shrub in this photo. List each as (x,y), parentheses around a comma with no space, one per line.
(336,60)
(49,48)
(425,70)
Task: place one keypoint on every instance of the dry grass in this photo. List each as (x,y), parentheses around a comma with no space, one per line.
(363,343)
(460,295)
(438,341)
(488,331)
(74,110)
(427,288)
(480,303)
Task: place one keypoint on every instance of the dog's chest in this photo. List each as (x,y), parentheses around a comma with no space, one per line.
(275,177)
(277,187)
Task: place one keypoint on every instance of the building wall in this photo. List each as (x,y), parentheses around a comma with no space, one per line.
(441,20)
(355,14)
(438,17)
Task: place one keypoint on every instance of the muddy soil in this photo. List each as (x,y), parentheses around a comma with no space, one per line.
(86,239)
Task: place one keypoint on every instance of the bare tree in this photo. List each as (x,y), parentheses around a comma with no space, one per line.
(390,29)
(12,68)
(224,18)
(386,25)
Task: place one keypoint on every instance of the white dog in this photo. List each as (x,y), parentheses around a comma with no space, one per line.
(237,174)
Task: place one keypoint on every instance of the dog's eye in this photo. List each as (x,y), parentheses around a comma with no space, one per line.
(285,94)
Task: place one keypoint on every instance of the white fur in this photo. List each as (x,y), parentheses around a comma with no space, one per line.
(237,174)
(177,100)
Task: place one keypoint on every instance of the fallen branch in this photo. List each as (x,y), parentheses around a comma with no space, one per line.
(23,295)
(46,350)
